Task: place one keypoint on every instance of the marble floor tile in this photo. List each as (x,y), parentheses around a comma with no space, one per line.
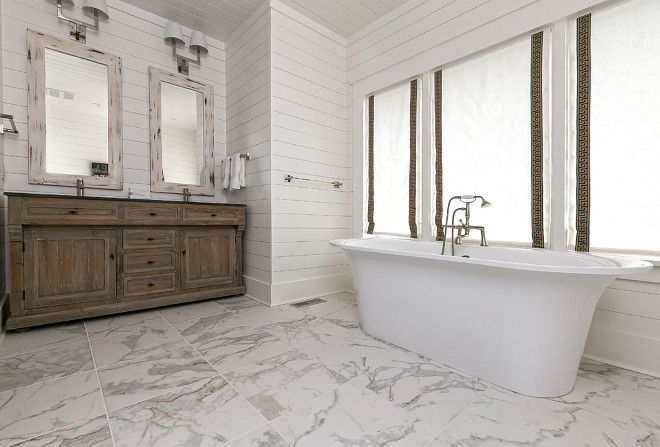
(44,407)
(201,329)
(121,324)
(234,303)
(90,433)
(341,312)
(183,312)
(234,351)
(206,413)
(307,329)
(352,416)
(649,385)
(264,315)
(602,372)
(26,368)
(264,436)
(130,382)
(645,424)
(444,441)
(283,382)
(44,337)
(350,354)
(154,337)
(428,391)
(499,420)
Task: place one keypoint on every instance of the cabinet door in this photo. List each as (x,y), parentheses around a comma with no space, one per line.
(69,266)
(208,257)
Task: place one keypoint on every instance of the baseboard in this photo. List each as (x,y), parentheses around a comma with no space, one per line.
(4,313)
(291,292)
(623,349)
(257,290)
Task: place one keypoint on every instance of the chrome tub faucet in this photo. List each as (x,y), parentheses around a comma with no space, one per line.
(464,227)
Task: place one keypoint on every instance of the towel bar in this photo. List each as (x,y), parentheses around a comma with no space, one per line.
(289,177)
(11,121)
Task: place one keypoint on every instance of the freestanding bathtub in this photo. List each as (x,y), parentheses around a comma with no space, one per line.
(515,317)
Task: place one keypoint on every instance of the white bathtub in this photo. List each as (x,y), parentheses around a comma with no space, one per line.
(515,317)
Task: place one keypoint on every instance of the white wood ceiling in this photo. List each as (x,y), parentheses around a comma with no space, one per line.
(220,18)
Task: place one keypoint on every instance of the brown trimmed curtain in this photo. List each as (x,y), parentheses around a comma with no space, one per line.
(412,177)
(536,96)
(437,81)
(370,205)
(583,112)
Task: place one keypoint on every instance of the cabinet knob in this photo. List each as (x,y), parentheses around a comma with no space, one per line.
(153,214)
(183,252)
(150,239)
(150,262)
(151,284)
(112,256)
(73,211)
(214,215)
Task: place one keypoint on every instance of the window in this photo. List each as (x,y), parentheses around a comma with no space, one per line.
(625,109)
(486,139)
(391,168)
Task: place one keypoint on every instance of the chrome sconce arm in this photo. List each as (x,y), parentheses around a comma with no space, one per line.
(78,28)
(174,37)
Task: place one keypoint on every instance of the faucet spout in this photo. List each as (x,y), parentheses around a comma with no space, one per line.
(186,195)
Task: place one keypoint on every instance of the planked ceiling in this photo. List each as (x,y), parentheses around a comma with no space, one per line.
(220,18)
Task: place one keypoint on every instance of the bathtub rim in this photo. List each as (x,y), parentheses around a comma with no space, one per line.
(626,265)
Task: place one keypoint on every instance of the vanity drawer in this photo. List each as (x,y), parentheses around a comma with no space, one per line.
(211,215)
(75,211)
(144,285)
(148,239)
(169,214)
(147,262)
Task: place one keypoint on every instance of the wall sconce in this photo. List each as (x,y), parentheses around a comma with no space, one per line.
(77,28)
(174,37)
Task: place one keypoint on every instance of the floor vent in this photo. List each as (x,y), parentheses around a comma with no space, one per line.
(308,302)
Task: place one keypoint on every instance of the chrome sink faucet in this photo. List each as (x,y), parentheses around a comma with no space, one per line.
(464,227)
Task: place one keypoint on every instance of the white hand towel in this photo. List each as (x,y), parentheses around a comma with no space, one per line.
(235,175)
(241,173)
(226,170)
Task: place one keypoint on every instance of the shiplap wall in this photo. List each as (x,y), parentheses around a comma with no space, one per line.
(249,130)
(137,37)
(423,35)
(4,301)
(310,138)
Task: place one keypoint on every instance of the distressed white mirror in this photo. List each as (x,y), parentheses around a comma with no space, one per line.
(181,118)
(74,114)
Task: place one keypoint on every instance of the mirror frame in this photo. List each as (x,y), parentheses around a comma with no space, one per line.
(207,188)
(37,174)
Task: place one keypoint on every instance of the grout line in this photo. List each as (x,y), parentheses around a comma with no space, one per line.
(105,406)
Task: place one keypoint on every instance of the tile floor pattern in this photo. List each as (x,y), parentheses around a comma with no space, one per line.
(235,373)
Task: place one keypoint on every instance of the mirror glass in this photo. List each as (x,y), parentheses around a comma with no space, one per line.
(182,130)
(76,115)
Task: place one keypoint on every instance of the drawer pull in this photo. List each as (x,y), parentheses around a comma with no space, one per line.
(153,214)
(112,256)
(73,211)
(214,215)
(150,262)
(183,252)
(151,284)
(150,239)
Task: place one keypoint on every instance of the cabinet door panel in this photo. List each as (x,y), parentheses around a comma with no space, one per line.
(207,257)
(69,267)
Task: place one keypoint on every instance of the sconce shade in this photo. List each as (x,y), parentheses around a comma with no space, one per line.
(96,6)
(174,34)
(65,3)
(198,42)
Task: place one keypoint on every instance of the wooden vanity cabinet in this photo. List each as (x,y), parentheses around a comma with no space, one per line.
(77,257)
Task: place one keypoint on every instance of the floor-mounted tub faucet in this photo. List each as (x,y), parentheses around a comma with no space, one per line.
(464,227)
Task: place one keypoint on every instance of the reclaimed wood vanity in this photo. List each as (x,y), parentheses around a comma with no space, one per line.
(81,257)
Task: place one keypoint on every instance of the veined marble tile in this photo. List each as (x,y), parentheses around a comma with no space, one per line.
(645,424)
(201,329)
(44,407)
(264,436)
(38,366)
(43,338)
(91,433)
(613,375)
(351,354)
(130,382)
(233,351)
(444,441)
(649,385)
(264,315)
(205,413)
(183,312)
(428,391)
(155,337)
(305,330)
(234,303)
(341,312)
(121,324)
(352,416)
(283,382)
(602,398)
(501,421)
